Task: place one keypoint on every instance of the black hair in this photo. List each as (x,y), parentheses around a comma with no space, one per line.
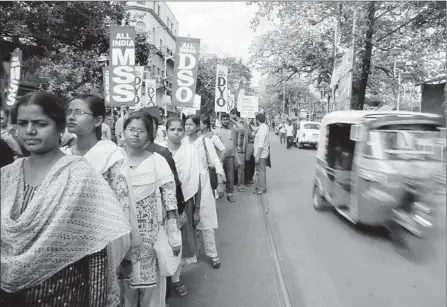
(236,112)
(147,121)
(97,106)
(225,115)
(206,120)
(195,119)
(174,119)
(260,117)
(52,105)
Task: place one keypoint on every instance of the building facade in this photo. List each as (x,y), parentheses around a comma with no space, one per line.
(156,18)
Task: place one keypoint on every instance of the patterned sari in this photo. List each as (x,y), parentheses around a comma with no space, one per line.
(54,238)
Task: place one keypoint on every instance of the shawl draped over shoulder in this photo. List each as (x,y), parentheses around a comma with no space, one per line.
(73,214)
(102,157)
(188,167)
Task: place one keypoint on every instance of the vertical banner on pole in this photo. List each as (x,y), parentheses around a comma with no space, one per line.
(139,75)
(14,77)
(230,102)
(185,71)
(221,96)
(151,90)
(106,84)
(122,66)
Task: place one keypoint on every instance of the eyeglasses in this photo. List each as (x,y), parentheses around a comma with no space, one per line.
(77,112)
(133,130)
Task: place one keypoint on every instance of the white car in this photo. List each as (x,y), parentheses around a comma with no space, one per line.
(308,133)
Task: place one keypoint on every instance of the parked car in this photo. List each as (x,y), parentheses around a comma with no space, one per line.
(308,133)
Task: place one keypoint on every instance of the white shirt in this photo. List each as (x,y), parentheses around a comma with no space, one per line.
(289,130)
(262,143)
(282,129)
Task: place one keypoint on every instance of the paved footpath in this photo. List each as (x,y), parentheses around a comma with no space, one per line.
(246,277)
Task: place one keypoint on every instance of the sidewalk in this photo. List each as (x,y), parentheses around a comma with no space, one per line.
(246,277)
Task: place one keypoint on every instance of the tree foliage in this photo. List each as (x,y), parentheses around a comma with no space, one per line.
(239,77)
(64,40)
(303,41)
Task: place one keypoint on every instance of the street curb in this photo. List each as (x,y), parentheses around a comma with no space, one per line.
(281,285)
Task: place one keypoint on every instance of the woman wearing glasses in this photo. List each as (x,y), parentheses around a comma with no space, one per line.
(85,116)
(57,218)
(155,198)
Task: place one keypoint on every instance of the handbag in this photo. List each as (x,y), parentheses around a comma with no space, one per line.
(168,263)
(211,169)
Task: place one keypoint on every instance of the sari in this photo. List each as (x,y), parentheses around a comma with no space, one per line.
(72,215)
(188,167)
(154,189)
(208,214)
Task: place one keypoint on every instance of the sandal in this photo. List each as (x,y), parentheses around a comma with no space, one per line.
(216,262)
(179,289)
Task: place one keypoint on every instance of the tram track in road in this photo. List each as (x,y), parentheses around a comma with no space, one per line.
(281,285)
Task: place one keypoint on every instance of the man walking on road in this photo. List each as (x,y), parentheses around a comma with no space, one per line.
(228,135)
(261,153)
(282,133)
(289,134)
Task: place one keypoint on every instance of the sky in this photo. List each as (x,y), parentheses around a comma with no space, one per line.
(223,27)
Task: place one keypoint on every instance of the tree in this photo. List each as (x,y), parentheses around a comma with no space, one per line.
(239,77)
(63,41)
(303,41)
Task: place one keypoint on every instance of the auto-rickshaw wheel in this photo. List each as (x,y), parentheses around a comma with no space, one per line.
(318,200)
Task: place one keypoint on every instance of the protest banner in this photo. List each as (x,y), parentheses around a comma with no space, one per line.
(185,71)
(14,77)
(139,75)
(248,106)
(221,95)
(106,84)
(197,102)
(151,92)
(230,102)
(122,66)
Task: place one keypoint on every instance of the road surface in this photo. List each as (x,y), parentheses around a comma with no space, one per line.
(324,261)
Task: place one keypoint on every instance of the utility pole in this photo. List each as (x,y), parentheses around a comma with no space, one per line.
(353,57)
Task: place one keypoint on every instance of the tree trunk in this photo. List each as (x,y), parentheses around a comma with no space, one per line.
(362,82)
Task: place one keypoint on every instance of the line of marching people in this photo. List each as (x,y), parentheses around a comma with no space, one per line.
(85,222)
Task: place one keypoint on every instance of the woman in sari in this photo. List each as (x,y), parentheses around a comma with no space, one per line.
(156,203)
(188,167)
(85,116)
(58,217)
(207,158)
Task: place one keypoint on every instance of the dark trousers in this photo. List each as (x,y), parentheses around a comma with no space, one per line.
(289,141)
(228,166)
(249,169)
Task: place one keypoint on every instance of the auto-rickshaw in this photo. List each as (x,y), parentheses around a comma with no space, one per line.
(375,167)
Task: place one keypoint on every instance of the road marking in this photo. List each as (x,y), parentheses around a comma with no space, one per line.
(281,286)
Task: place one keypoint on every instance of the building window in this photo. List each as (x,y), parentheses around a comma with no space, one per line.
(161,43)
(153,36)
(153,69)
(158,9)
(172,26)
(163,73)
(158,72)
(167,24)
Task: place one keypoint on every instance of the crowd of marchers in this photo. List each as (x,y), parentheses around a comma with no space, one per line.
(96,205)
